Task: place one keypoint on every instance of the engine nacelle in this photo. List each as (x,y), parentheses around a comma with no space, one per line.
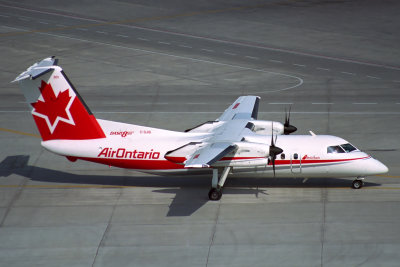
(246,155)
(265,127)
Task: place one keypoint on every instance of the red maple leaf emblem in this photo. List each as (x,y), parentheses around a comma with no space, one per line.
(53,106)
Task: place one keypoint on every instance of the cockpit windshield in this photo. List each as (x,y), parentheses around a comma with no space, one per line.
(335,149)
(345,148)
(348,147)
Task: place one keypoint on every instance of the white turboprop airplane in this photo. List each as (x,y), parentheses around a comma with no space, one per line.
(235,142)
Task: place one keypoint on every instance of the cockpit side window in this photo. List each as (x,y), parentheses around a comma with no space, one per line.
(335,149)
(348,147)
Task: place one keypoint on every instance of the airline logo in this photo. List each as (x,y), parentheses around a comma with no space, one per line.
(53,108)
(123,153)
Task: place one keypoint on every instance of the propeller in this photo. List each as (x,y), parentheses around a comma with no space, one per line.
(288,129)
(274,150)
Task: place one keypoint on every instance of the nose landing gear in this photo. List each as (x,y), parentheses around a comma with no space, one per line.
(358,183)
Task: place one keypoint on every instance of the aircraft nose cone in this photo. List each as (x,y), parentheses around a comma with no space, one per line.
(288,129)
(376,167)
(381,167)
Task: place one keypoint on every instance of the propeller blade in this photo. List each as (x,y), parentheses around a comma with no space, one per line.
(273,165)
(288,129)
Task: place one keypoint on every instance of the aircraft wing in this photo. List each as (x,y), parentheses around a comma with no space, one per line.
(209,154)
(245,107)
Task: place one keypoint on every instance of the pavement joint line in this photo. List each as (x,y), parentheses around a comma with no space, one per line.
(219,112)
(388,176)
(121,23)
(67,186)
(18,132)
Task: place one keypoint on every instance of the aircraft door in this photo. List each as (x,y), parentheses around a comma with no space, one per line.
(295,163)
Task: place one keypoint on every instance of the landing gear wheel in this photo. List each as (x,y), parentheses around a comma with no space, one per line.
(215,194)
(357,184)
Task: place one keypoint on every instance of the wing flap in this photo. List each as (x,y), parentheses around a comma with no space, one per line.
(209,154)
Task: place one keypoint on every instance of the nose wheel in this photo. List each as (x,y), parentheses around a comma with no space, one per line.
(357,183)
(215,194)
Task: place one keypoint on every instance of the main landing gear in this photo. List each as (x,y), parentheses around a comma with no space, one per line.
(358,183)
(217,183)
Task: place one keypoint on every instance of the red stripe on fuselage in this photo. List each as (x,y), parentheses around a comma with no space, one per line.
(145,164)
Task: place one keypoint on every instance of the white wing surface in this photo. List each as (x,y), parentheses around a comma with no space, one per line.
(230,128)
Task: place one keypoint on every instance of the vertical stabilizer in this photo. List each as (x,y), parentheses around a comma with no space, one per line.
(57,108)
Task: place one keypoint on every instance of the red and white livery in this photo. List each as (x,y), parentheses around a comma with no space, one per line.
(235,142)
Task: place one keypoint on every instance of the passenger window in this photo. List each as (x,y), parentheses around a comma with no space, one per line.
(335,149)
(295,156)
(283,156)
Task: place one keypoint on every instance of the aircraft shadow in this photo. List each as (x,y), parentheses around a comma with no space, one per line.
(190,192)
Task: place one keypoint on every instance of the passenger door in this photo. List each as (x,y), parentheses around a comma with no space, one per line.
(295,163)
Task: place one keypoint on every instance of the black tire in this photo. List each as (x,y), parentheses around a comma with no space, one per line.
(357,184)
(214,194)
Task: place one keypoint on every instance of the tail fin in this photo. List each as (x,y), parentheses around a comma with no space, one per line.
(57,108)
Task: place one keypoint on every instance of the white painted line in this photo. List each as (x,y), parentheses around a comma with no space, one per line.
(299,82)
(164,43)
(207,50)
(275,61)
(101,32)
(366,113)
(321,103)
(185,46)
(348,73)
(43,22)
(143,39)
(213,39)
(231,54)
(324,69)
(255,58)
(123,36)
(4,16)
(364,103)
(299,65)
(280,103)
(372,77)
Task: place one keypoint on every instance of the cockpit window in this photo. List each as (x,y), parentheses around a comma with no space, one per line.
(348,147)
(335,149)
